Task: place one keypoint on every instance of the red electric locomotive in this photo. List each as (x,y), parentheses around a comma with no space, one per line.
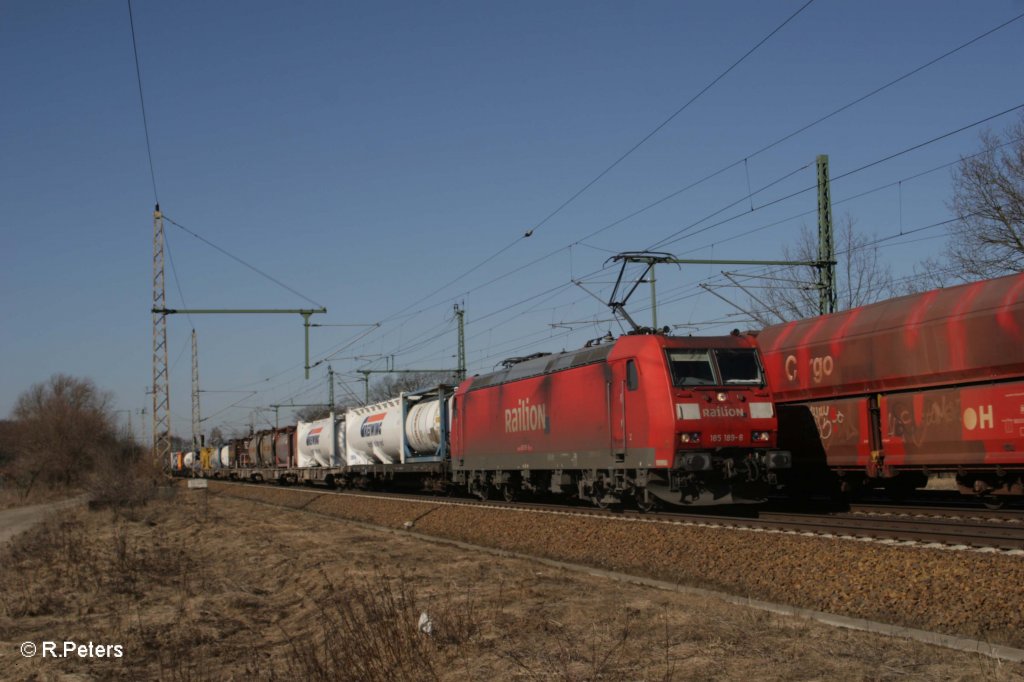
(685,420)
(889,393)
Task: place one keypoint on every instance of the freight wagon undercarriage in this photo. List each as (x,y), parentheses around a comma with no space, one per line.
(698,479)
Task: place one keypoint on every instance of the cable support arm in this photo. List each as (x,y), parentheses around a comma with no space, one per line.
(305,312)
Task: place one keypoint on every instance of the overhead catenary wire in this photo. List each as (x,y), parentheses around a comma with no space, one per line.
(859,195)
(142,103)
(521,268)
(745,159)
(668,120)
(242,262)
(177,281)
(801,129)
(746,212)
(609,168)
(688,231)
(728,167)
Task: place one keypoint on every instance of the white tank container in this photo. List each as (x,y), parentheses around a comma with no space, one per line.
(318,443)
(225,456)
(423,426)
(374,433)
(341,430)
(315,443)
(190,460)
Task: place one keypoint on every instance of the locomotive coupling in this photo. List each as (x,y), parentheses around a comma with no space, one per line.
(694,461)
(705,461)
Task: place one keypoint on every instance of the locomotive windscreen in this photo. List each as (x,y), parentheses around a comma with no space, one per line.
(739,366)
(714,367)
(691,367)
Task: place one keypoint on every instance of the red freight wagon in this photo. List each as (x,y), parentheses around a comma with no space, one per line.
(261,449)
(890,392)
(284,447)
(244,456)
(680,418)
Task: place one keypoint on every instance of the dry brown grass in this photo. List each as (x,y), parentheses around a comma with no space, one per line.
(12,496)
(208,588)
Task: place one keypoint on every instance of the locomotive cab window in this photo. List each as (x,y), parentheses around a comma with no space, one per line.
(739,366)
(691,367)
(632,378)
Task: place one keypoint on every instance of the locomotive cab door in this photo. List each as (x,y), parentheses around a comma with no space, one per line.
(624,407)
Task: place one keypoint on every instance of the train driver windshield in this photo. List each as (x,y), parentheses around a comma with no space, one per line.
(714,367)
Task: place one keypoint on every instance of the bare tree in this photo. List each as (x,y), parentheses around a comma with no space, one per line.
(391,385)
(64,425)
(315,412)
(792,293)
(987,239)
(216,437)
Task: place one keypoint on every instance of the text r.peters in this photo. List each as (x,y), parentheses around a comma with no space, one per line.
(72,649)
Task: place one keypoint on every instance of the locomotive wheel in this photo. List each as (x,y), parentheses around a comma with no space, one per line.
(645,501)
(481,490)
(598,494)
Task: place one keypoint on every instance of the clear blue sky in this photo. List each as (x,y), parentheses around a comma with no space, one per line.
(366,154)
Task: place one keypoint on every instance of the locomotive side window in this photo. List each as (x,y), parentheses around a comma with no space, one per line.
(738,366)
(691,367)
(632,378)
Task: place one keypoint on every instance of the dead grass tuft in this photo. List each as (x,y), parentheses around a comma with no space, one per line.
(125,480)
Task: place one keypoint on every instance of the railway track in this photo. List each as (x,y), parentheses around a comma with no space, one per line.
(967,529)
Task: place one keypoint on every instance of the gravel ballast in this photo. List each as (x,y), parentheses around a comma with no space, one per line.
(963,593)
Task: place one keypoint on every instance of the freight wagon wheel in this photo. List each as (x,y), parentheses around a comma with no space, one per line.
(508,492)
(993,502)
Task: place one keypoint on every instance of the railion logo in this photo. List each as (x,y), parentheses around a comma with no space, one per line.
(722,411)
(313,437)
(527,417)
(372,425)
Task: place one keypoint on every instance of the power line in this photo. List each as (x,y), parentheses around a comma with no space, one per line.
(746,212)
(887,85)
(242,262)
(615,163)
(685,232)
(696,183)
(710,176)
(859,195)
(667,120)
(796,132)
(177,281)
(142,103)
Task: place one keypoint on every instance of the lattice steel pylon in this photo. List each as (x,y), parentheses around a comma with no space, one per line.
(196,418)
(460,314)
(161,383)
(827,297)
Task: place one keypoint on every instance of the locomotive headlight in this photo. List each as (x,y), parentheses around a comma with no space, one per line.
(760,436)
(692,437)
(721,397)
